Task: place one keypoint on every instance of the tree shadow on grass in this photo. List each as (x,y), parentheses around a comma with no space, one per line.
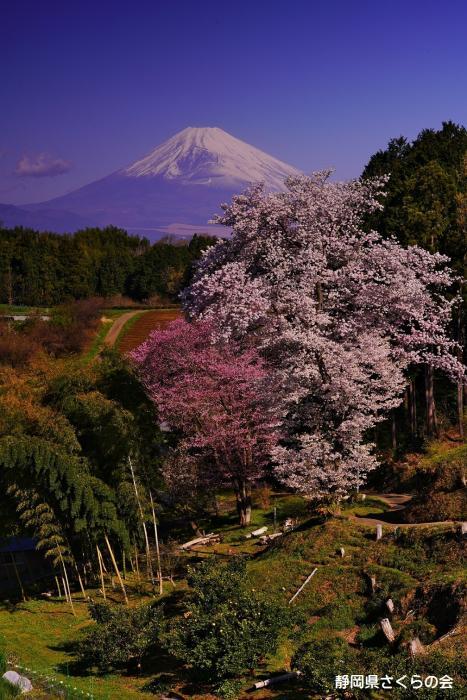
(391,517)
(72,666)
(156,664)
(291,690)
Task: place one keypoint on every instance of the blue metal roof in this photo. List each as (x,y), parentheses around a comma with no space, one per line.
(17,544)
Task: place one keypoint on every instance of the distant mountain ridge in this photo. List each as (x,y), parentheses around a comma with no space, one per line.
(44,220)
(175,189)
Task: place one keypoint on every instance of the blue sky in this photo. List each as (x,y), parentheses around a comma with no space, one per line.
(88,87)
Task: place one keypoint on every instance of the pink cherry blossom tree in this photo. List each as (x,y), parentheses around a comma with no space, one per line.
(219,397)
(338,313)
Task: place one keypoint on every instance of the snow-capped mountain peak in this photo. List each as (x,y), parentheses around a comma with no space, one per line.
(211,156)
(176,188)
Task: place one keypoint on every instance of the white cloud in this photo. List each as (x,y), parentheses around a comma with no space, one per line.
(42,165)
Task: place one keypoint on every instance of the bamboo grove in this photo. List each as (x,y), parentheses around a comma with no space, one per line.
(79,455)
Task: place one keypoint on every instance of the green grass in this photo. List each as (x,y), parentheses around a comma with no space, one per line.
(97,343)
(38,635)
(442,452)
(13,309)
(336,601)
(7,690)
(370,506)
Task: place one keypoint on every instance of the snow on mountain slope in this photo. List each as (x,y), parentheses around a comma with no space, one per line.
(211,156)
(176,188)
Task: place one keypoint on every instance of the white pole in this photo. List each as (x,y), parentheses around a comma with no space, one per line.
(303,585)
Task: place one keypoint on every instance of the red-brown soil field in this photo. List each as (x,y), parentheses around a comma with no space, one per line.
(143,326)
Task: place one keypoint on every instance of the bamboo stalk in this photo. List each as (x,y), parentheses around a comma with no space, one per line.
(69,593)
(99,558)
(65,589)
(18,578)
(116,569)
(58,587)
(66,578)
(145,531)
(158,553)
(137,562)
(80,581)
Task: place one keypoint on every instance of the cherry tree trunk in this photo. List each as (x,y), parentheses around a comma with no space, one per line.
(460,408)
(243,495)
(394,431)
(412,401)
(460,383)
(431,422)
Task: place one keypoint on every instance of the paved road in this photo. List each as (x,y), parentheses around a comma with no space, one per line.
(111,337)
(396,502)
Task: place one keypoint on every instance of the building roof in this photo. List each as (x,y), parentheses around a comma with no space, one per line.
(17,544)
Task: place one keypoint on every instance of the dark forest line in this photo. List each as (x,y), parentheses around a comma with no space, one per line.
(47,269)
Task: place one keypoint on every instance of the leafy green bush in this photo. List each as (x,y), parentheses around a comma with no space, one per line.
(384,660)
(322,660)
(229,689)
(121,636)
(420,628)
(228,628)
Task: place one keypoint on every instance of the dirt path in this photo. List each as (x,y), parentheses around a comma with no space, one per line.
(111,337)
(396,502)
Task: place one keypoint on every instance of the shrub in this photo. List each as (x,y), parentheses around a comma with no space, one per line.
(436,663)
(322,660)
(15,348)
(228,628)
(420,628)
(229,689)
(68,328)
(121,636)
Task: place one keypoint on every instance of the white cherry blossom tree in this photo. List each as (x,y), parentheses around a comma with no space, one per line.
(338,313)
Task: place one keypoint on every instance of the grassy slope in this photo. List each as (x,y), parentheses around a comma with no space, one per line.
(334,602)
(38,635)
(97,342)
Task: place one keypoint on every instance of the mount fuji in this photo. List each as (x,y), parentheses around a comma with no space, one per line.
(175,189)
